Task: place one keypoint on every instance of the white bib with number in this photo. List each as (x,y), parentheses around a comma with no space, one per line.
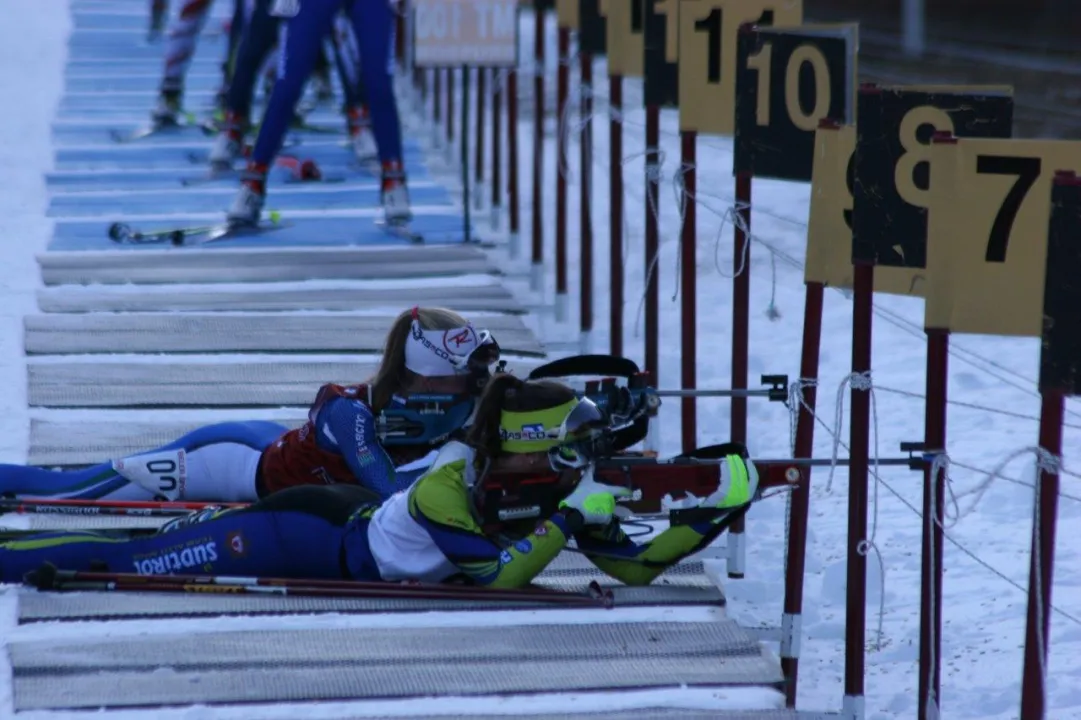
(164,473)
(285,8)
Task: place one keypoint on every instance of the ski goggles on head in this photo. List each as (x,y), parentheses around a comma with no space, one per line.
(457,351)
(573,434)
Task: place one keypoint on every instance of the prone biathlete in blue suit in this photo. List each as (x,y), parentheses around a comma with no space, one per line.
(431,531)
(339,444)
(373,24)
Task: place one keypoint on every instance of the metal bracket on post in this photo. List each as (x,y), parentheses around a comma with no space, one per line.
(778,390)
(924,459)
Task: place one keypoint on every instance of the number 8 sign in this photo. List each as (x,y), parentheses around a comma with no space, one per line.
(987,232)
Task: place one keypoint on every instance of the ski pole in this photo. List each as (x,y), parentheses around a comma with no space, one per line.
(48,577)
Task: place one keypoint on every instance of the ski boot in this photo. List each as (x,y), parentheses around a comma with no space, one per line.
(394,195)
(361,138)
(229,144)
(247,206)
(167,112)
(221,97)
(322,87)
(298,121)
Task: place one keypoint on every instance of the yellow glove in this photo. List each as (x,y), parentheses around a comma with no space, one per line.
(596,502)
(738,486)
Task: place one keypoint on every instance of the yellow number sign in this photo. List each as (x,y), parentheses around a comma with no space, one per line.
(707,56)
(987,232)
(670,10)
(626,50)
(829,227)
(567,13)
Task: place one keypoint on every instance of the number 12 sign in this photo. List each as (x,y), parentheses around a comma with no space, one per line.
(456,33)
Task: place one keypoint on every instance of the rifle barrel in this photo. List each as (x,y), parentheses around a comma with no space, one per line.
(826,462)
(684,392)
(618,462)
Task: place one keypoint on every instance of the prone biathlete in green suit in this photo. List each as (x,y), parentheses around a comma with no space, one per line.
(430,532)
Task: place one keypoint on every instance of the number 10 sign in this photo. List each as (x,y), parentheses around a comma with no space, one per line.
(456,33)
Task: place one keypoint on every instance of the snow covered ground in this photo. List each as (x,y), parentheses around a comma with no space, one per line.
(992,418)
(992,386)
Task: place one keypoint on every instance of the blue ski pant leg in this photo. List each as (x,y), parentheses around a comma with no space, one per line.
(304,36)
(373,25)
(101,481)
(349,55)
(256,434)
(348,73)
(259,38)
(297,533)
(236,31)
(92,483)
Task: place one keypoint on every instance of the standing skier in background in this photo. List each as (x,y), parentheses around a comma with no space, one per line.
(259,39)
(181,41)
(308,23)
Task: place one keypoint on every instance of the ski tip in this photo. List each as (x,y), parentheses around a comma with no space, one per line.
(401,231)
(118,231)
(44,578)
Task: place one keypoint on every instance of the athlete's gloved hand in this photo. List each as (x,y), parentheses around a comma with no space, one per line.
(593,500)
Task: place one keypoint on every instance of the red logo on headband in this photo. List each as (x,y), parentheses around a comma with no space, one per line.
(454,339)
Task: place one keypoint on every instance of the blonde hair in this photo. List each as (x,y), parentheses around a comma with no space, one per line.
(393,374)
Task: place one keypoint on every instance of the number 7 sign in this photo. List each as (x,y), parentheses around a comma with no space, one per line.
(987,232)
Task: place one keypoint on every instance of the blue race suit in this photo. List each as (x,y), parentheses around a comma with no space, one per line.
(243,461)
(258,40)
(373,23)
(103,481)
(304,532)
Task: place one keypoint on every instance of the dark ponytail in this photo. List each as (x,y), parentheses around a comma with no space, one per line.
(508,392)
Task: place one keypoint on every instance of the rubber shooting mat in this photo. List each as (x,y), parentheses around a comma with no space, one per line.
(157,265)
(329,154)
(280,297)
(301,196)
(642,713)
(353,226)
(369,663)
(84,182)
(254,332)
(73,439)
(196,384)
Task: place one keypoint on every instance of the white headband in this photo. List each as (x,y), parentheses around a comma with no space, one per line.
(436,353)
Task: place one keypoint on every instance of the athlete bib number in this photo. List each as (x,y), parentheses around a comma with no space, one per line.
(285,8)
(165,473)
